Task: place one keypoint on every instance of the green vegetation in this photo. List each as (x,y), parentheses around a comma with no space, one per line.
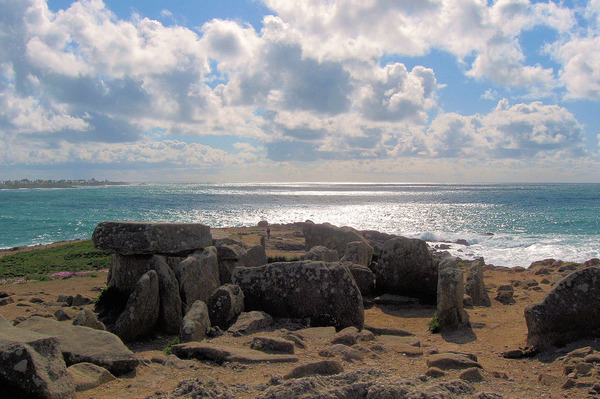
(434,324)
(71,257)
(175,341)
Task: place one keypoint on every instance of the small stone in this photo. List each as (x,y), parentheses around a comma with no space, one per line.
(435,372)
(323,367)
(472,374)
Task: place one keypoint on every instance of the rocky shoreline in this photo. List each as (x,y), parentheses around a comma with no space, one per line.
(358,326)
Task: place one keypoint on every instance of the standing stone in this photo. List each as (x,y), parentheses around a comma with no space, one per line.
(126,270)
(195,323)
(364,278)
(225,305)
(133,238)
(406,267)
(568,312)
(229,254)
(324,292)
(32,365)
(450,294)
(169,317)
(141,312)
(329,236)
(358,252)
(475,286)
(254,256)
(198,276)
(322,254)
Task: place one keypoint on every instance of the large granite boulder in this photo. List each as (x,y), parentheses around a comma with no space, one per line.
(142,309)
(32,365)
(324,292)
(126,270)
(83,344)
(475,286)
(229,255)
(406,267)
(450,292)
(198,276)
(323,254)
(254,256)
(195,323)
(358,252)
(568,312)
(329,236)
(133,238)
(364,278)
(169,317)
(225,305)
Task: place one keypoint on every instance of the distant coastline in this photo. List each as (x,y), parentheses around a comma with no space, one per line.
(50,183)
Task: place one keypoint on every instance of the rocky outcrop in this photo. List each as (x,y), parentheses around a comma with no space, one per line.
(134,238)
(225,305)
(324,292)
(195,323)
(198,276)
(406,267)
(142,309)
(322,254)
(329,236)
(32,365)
(82,344)
(450,292)
(364,278)
(251,322)
(569,311)
(475,287)
(358,252)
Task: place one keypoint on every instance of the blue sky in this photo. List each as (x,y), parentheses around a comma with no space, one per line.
(273,90)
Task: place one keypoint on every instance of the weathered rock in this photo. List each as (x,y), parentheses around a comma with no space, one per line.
(68,299)
(450,292)
(195,323)
(250,322)
(321,253)
(329,236)
(142,309)
(170,312)
(32,365)
(358,252)
(364,278)
(325,292)
(225,305)
(388,331)
(347,353)
(89,376)
(221,354)
(62,315)
(229,255)
(87,318)
(7,300)
(475,286)
(452,361)
(322,367)
(198,276)
(254,256)
(406,267)
(569,311)
(83,344)
(472,374)
(504,294)
(272,344)
(80,300)
(395,300)
(133,238)
(348,336)
(126,270)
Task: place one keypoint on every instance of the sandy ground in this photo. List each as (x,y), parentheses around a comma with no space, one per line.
(493,330)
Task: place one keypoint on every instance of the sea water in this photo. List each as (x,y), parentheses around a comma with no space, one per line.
(507,224)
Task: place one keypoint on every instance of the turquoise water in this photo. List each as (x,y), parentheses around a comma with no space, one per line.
(510,225)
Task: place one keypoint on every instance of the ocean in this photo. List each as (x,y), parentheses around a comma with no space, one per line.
(508,224)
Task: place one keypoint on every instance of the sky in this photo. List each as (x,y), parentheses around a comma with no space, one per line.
(455,91)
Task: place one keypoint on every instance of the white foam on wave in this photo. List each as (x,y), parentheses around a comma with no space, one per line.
(517,250)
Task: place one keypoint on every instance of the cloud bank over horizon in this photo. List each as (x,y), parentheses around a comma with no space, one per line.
(412,90)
